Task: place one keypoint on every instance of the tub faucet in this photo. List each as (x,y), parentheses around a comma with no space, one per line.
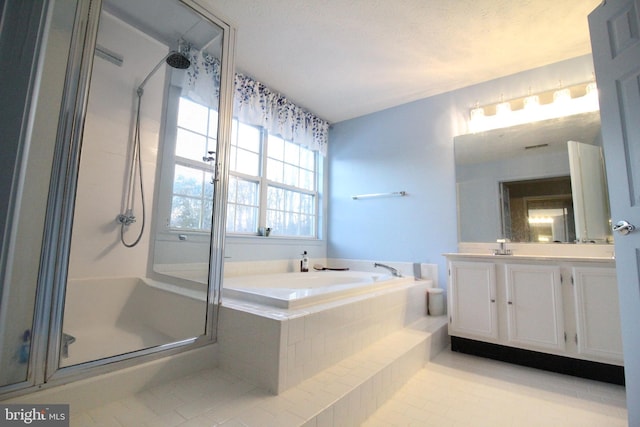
(393,271)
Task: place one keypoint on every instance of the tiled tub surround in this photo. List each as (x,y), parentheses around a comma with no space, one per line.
(110,316)
(278,348)
(355,346)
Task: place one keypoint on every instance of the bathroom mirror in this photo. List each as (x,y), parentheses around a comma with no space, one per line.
(528,183)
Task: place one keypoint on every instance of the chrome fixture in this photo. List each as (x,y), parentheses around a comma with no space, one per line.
(67,340)
(624,227)
(109,55)
(377,195)
(394,272)
(502,250)
(175,60)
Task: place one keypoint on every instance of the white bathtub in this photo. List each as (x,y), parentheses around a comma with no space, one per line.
(295,290)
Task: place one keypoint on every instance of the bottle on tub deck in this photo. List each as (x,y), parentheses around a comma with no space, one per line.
(304,262)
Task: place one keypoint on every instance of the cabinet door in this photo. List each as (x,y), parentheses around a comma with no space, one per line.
(472,300)
(597,312)
(534,306)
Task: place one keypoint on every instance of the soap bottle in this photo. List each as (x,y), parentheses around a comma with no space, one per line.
(304,263)
(23,353)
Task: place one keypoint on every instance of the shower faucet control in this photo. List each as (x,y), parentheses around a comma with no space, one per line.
(210,157)
(127,218)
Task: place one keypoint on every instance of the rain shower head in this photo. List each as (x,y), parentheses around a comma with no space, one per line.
(178,60)
(174,59)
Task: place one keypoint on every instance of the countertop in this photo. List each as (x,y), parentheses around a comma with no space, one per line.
(527,257)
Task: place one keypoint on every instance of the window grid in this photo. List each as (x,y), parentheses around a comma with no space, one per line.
(192,195)
(285,206)
(272,182)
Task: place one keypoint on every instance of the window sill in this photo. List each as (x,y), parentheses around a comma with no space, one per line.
(273,240)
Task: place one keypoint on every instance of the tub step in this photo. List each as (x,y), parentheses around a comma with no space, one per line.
(344,394)
(352,389)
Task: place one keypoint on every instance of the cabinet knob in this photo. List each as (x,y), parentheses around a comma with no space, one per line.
(493,300)
(509,302)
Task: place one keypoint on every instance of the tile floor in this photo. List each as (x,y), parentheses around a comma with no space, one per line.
(457,390)
(452,390)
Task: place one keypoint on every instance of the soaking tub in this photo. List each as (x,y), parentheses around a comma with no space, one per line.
(295,290)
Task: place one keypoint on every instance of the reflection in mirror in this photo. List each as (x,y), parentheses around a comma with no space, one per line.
(150,122)
(504,177)
(538,210)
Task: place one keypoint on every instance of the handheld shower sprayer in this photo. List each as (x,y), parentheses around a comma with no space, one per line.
(175,60)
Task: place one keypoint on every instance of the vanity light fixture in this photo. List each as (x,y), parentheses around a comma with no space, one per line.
(540,220)
(562,96)
(477,113)
(552,104)
(531,102)
(503,109)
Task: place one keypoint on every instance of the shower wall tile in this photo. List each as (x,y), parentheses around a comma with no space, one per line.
(95,247)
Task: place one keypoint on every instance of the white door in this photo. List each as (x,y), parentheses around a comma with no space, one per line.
(590,210)
(534,306)
(472,300)
(615,40)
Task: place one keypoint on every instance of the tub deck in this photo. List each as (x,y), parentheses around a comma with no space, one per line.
(296,290)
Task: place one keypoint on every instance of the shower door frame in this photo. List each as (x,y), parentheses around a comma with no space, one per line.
(54,263)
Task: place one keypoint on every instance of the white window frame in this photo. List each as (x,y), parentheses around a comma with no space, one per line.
(264,184)
(202,166)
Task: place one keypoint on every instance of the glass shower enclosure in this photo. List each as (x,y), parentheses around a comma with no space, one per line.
(131,259)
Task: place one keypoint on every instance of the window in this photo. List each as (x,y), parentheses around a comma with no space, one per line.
(291,188)
(192,195)
(272,181)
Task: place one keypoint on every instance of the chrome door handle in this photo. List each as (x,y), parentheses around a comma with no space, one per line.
(623,227)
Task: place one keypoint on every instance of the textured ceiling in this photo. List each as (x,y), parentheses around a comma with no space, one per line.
(345,58)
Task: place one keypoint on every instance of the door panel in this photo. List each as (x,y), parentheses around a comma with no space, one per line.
(597,313)
(615,40)
(472,300)
(534,306)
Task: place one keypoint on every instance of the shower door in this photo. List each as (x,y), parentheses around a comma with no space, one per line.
(25,163)
(147,189)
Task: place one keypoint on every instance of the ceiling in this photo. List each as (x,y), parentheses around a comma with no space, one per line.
(345,58)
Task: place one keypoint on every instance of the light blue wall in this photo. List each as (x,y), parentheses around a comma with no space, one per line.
(410,148)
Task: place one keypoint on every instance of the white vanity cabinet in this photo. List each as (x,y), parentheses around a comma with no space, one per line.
(553,305)
(535,314)
(597,315)
(472,299)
